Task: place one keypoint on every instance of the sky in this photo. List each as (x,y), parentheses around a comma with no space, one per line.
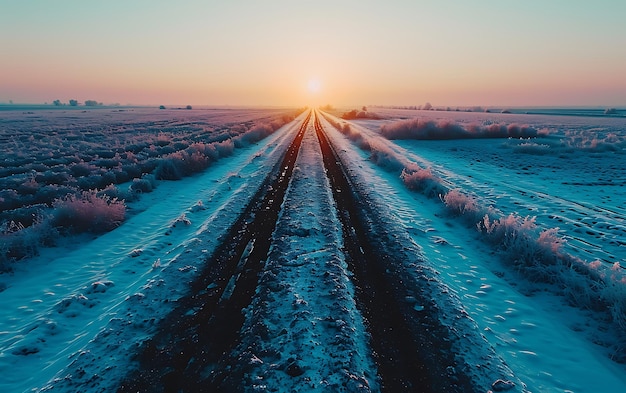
(301,52)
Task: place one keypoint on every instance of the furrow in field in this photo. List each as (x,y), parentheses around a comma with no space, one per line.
(195,340)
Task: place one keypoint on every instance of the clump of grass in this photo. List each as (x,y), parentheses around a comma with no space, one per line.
(448,129)
(88,212)
(422,180)
(18,242)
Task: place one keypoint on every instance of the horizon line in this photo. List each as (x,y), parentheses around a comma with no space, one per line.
(397,106)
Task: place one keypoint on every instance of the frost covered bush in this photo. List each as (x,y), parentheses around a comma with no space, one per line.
(351,134)
(224,148)
(592,141)
(537,255)
(132,169)
(519,237)
(18,242)
(384,157)
(113,192)
(254,135)
(460,203)
(421,179)
(50,177)
(143,185)
(410,129)
(413,176)
(261,131)
(9,199)
(88,212)
(25,216)
(521,131)
(534,253)
(82,169)
(613,290)
(168,168)
(29,187)
(532,148)
(356,114)
(179,164)
(95,181)
(447,129)
(180,159)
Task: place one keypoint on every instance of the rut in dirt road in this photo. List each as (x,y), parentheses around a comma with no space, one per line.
(196,339)
(402,360)
(202,345)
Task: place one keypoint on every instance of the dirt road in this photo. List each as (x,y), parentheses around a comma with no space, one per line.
(212,341)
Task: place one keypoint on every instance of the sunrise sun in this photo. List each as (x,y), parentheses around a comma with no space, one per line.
(314,85)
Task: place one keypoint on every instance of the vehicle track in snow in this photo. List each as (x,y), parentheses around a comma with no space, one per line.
(402,359)
(195,349)
(205,326)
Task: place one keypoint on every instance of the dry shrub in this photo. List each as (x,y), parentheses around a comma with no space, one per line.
(18,242)
(460,203)
(422,180)
(254,135)
(448,129)
(88,212)
(384,157)
(532,148)
(144,185)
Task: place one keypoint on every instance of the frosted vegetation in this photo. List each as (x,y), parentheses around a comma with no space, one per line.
(67,173)
(533,252)
(446,129)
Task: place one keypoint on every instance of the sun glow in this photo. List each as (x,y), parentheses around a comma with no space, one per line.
(314,85)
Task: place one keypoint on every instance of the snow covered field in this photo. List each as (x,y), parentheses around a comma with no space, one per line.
(56,303)
(73,318)
(574,181)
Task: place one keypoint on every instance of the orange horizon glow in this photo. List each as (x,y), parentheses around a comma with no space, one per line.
(286,53)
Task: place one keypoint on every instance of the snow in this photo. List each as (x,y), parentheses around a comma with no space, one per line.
(548,345)
(305,301)
(473,355)
(52,316)
(71,317)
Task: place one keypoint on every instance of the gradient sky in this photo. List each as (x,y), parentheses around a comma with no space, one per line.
(245,52)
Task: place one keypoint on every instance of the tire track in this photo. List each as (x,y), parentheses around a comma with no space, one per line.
(402,353)
(198,347)
(191,352)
